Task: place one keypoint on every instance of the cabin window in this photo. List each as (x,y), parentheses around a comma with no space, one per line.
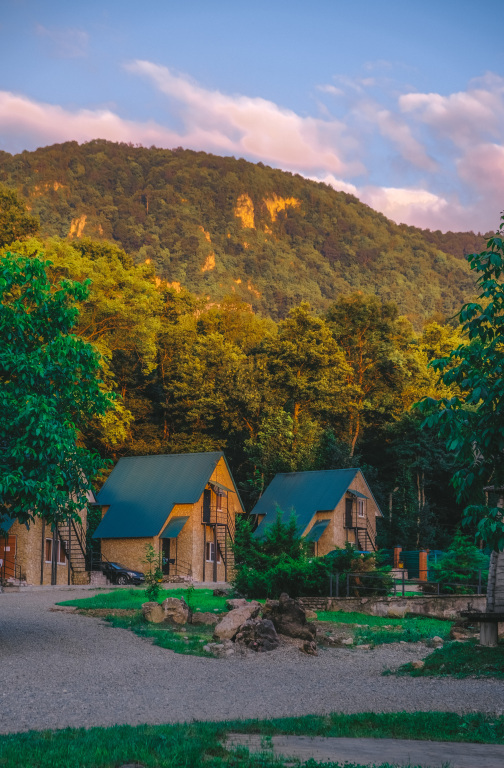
(48,550)
(220,496)
(210,552)
(361,510)
(61,554)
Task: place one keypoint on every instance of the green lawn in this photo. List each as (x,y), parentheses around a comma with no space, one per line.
(194,744)
(129,599)
(460,660)
(188,640)
(380,629)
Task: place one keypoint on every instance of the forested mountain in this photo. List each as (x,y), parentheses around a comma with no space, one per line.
(218,226)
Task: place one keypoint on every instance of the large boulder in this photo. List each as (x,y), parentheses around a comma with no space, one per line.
(228,627)
(289,618)
(205,617)
(176,611)
(153,612)
(258,635)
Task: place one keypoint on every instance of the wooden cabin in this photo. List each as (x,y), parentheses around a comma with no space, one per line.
(331,507)
(183,504)
(40,553)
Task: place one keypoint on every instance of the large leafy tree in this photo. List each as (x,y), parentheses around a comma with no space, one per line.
(378,350)
(50,389)
(472,421)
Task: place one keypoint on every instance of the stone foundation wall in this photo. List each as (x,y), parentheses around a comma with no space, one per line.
(439,606)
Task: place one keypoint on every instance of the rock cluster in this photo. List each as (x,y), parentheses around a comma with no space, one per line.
(242,627)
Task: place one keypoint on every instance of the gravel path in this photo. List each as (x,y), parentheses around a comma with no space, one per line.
(59,669)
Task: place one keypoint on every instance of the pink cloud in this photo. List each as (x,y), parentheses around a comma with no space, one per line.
(256,127)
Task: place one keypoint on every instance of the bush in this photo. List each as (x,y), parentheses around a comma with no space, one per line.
(366,576)
(279,562)
(154,575)
(457,571)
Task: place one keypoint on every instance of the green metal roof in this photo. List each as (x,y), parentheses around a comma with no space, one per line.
(318,529)
(141,491)
(303,493)
(175,525)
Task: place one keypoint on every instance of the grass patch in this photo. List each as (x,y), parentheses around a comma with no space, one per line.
(189,640)
(194,744)
(460,660)
(198,599)
(377,630)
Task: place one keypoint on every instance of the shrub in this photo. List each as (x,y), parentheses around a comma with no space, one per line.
(457,570)
(277,563)
(154,575)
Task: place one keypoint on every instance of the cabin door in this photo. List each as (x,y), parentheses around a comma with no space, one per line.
(166,556)
(7,556)
(348,513)
(207,497)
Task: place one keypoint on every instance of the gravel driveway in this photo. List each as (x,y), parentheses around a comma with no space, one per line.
(59,670)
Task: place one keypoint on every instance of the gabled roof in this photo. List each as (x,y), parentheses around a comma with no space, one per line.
(304,493)
(141,491)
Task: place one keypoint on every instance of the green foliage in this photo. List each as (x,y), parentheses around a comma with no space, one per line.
(367,577)
(50,388)
(132,599)
(188,640)
(15,222)
(472,421)
(201,743)
(154,574)
(276,563)
(460,660)
(457,571)
(177,207)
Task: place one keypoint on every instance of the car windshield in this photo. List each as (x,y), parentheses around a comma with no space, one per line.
(118,566)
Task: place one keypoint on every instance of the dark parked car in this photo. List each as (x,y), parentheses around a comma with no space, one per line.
(119,574)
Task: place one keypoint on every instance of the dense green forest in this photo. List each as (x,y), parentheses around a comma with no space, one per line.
(290,385)
(217,226)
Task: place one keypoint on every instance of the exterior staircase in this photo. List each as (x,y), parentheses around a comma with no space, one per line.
(225,540)
(73,539)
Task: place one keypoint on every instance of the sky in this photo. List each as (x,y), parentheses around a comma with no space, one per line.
(400,103)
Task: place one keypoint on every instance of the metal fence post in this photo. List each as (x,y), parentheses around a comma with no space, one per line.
(337,585)
(348,585)
(330,585)
(403,584)
(479,582)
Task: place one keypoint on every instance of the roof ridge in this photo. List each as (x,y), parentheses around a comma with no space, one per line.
(164,455)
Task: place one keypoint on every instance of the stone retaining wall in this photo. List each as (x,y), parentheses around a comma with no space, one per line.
(439,606)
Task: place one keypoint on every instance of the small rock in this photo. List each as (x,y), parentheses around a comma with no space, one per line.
(206,648)
(347,641)
(221,592)
(437,640)
(417,664)
(364,647)
(309,647)
(153,612)
(235,602)
(310,614)
(205,617)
